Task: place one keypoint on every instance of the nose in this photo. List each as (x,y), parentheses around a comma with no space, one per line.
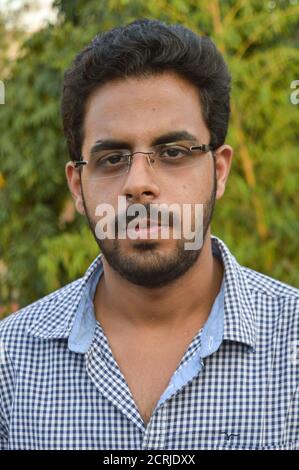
(140,184)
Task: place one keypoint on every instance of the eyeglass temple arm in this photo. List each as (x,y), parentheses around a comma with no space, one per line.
(79,163)
(203,147)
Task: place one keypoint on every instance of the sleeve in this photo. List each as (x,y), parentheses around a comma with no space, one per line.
(3,434)
(6,392)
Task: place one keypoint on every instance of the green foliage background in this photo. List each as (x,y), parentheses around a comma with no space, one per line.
(44,244)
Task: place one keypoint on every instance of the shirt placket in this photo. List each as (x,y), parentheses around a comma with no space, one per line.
(156,431)
(108,379)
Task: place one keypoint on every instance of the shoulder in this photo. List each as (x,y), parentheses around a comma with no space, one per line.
(23,340)
(269,303)
(49,310)
(275,303)
(250,281)
(261,283)
(269,286)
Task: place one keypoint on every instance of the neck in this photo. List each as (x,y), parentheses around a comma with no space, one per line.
(188,299)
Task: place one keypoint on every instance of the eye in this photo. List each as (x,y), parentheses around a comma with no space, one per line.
(174,152)
(112,160)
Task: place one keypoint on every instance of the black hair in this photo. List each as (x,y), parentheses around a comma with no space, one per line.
(143,48)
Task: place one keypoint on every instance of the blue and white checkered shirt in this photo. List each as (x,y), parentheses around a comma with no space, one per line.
(236,386)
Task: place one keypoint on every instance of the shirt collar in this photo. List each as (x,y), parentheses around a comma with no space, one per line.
(56,313)
(63,314)
(239,313)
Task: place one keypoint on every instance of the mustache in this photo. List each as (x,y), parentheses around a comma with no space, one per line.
(152,213)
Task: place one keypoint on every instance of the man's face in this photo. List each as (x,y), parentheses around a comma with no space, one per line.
(138,111)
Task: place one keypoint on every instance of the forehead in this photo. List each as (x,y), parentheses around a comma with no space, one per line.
(143,108)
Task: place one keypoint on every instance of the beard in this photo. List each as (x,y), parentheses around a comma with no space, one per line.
(148,266)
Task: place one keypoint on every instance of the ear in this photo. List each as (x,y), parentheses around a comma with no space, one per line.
(74,183)
(223,160)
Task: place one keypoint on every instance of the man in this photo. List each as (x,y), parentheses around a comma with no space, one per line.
(158,346)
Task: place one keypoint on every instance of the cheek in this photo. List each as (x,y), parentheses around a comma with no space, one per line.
(91,197)
(197,188)
(96,195)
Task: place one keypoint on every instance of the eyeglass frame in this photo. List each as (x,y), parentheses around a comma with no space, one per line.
(205,148)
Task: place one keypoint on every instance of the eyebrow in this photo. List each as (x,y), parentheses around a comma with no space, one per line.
(113,144)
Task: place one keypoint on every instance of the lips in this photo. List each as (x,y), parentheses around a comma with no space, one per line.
(147,223)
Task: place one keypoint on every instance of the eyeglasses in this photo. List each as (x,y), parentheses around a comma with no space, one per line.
(162,158)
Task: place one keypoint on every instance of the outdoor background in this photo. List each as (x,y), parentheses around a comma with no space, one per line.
(44,244)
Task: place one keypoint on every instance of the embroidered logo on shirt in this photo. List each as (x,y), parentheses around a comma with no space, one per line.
(229,436)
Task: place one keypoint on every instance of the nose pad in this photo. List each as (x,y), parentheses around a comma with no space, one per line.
(148,155)
(150,160)
(140,184)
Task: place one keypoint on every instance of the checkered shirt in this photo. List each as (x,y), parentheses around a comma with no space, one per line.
(236,386)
